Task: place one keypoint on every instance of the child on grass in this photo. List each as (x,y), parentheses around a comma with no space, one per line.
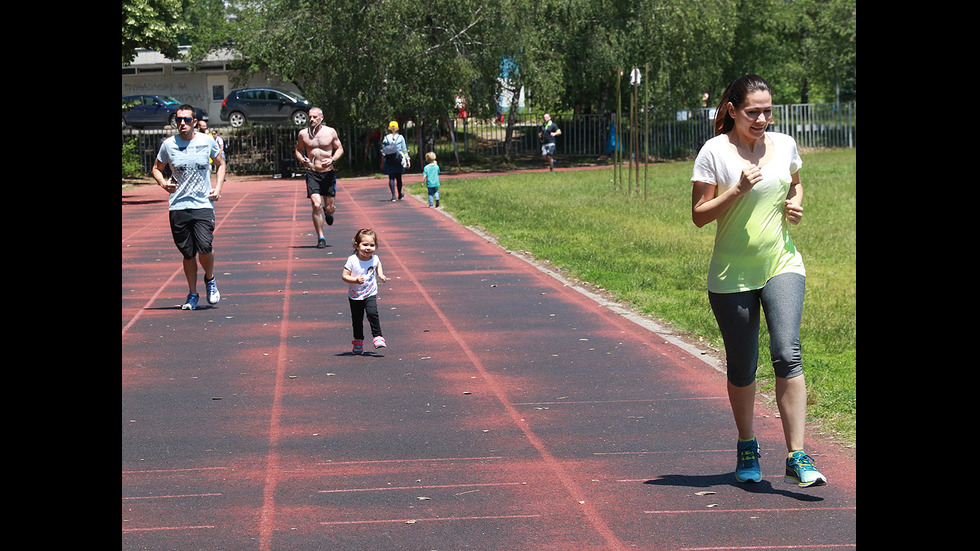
(431,177)
(361,273)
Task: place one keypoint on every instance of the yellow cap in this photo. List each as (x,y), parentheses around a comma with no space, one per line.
(393,124)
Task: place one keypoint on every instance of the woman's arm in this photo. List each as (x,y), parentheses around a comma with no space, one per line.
(794,200)
(706,207)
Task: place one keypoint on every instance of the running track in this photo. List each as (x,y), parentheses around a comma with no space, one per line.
(509,412)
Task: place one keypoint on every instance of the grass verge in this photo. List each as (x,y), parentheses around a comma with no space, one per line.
(641,246)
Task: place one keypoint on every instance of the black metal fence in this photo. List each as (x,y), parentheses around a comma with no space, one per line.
(269,149)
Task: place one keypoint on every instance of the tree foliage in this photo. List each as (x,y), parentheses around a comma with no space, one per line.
(369,61)
(150,24)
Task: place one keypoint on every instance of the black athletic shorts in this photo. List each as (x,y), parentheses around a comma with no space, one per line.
(321,183)
(193,230)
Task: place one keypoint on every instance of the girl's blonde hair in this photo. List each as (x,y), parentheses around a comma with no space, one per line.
(430,157)
(359,236)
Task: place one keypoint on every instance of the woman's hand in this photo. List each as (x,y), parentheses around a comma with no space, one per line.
(751,175)
(794,212)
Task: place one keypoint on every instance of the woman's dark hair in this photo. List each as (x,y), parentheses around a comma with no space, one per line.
(736,94)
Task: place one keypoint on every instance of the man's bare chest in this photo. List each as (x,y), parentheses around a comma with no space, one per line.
(320,140)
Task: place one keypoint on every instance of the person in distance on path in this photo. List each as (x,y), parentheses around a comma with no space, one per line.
(394,160)
(747,180)
(191,201)
(318,148)
(430,175)
(547,134)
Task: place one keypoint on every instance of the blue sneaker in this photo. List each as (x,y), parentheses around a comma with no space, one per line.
(191,303)
(800,471)
(213,295)
(747,468)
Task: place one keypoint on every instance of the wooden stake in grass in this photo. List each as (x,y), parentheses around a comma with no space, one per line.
(617,165)
(646,127)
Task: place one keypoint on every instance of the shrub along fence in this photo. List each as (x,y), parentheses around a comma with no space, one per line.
(269,149)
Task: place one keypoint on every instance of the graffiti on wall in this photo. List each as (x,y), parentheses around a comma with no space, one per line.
(188,92)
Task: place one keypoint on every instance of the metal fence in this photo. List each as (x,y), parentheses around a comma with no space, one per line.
(269,149)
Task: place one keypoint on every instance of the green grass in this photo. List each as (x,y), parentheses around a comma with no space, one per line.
(648,253)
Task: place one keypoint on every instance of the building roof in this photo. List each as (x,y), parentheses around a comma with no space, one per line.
(146,58)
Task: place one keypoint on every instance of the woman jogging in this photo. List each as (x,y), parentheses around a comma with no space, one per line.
(748,181)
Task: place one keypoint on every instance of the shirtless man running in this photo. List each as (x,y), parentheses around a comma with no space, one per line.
(318,148)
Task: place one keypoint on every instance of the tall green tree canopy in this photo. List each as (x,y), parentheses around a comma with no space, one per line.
(370,61)
(150,24)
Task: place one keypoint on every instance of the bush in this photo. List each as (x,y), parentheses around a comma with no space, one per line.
(131,165)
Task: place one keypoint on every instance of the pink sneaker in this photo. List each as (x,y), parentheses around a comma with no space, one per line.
(379,342)
(358,346)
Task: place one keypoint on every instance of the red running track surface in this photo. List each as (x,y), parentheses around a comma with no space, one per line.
(508,412)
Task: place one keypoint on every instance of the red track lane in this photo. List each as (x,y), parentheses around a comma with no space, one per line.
(509,411)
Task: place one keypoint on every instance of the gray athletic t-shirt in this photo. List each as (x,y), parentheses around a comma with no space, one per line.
(189,163)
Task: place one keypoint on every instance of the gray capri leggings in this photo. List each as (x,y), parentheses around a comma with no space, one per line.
(738,319)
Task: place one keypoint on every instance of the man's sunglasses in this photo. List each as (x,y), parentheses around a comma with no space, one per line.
(183,119)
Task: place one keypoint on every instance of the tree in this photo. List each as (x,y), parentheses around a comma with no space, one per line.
(687,44)
(804,48)
(150,24)
(833,49)
(367,63)
(209,28)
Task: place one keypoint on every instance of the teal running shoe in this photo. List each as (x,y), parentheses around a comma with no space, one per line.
(800,471)
(747,468)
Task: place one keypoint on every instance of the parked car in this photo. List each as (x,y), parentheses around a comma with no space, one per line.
(149,110)
(266,105)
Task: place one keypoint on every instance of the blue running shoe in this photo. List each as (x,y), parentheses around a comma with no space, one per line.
(213,295)
(800,471)
(191,303)
(747,468)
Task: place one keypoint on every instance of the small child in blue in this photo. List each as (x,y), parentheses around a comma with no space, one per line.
(431,173)
(361,273)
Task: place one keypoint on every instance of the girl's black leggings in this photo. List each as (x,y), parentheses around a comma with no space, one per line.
(358,308)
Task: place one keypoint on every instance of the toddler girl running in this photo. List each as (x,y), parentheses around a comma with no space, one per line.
(362,272)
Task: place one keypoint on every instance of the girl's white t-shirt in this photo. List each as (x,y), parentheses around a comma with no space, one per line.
(367,268)
(752,240)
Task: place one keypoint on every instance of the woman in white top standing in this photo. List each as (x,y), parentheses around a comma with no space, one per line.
(747,180)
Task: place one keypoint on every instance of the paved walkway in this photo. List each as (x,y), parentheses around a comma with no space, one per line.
(509,412)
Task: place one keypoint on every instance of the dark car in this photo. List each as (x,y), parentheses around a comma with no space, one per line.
(149,110)
(265,105)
